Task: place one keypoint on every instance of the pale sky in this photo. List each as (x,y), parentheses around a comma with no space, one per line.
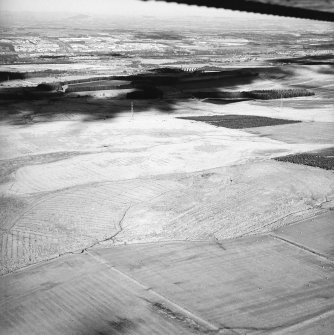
(115,7)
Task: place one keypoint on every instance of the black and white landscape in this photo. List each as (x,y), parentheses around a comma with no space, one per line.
(165,174)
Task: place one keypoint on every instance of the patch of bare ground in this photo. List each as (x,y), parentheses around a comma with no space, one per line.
(8,166)
(11,208)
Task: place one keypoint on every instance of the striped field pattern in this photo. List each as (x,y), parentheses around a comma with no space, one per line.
(73,219)
(79,296)
(255,285)
(19,248)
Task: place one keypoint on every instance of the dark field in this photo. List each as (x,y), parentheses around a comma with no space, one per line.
(239,121)
(323,159)
(256,94)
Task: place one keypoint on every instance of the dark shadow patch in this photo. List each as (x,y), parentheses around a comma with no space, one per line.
(178,282)
(6,76)
(118,326)
(307,60)
(12,75)
(239,121)
(121,325)
(158,91)
(222,101)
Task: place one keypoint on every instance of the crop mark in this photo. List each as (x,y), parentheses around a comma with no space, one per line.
(121,325)
(181,318)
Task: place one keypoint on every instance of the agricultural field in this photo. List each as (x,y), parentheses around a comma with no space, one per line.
(136,154)
(81,170)
(84,162)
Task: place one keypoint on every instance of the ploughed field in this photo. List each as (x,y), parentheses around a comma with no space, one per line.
(323,159)
(81,171)
(165,181)
(239,121)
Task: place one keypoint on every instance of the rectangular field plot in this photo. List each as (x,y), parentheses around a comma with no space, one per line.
(302,132)
(239,121)
(256,285)
(315,234)
(322,159)
(80,296)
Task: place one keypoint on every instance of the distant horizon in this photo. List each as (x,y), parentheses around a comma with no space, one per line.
(130,8)
(13,12)
(124,7)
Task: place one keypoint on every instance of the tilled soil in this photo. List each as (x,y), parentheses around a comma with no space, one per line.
(239,121)
(323,160)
